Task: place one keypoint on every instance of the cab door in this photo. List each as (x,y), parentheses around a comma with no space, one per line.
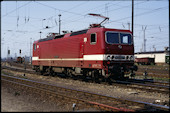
(38,53)
(91,46)
(82,47)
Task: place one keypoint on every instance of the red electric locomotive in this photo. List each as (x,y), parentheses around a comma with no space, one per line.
(97,52)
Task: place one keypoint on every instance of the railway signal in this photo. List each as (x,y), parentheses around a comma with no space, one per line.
(8,52)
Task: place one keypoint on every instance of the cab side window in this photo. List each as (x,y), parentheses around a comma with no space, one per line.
(93,39)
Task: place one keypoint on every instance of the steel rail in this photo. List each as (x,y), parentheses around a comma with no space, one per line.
(129,102)
(153,74)
(73,99)
(149,81)
(147,87)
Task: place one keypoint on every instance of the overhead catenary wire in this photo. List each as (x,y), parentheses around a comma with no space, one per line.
(81,14)
(58,9)
(81,18)
(98,8)
(16,9)
(144,13)
(152,11)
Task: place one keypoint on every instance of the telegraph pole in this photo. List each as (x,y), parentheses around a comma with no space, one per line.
(132,15)
(59,22)
(128,25)
(30,49)
(144,40)
(8,54)
(30,45)
(40,34)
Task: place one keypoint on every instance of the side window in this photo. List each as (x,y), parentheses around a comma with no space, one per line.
(34,47)
(93,39)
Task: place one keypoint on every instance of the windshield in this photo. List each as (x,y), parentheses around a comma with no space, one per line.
(118,38)
(112,38)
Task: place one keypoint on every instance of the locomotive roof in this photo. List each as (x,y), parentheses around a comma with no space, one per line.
(84,31)
(79,32)
(60,36)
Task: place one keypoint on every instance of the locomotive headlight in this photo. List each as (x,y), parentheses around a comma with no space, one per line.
(127,57)
(113,57)
(131,57)
(108,57)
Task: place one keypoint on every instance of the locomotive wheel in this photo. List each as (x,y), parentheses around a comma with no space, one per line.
(95,76)
(85,72)
(109,80)
(36,69)
(69,74)
(50,72)
(41,72)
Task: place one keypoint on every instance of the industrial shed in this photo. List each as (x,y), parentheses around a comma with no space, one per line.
(160,56)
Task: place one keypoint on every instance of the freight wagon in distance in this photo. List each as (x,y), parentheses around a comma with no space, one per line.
(160,57)
(145,61)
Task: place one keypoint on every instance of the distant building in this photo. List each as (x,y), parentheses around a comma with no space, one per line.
(161,57)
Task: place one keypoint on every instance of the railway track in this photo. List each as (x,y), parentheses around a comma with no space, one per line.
(148,81)
(151,86)
(160,73)
(81,98)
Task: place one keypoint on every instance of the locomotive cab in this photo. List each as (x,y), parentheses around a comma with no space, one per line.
(119,53)
(119,46)
(109,52)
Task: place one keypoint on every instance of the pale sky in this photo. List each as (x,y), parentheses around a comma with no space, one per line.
(22,21)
